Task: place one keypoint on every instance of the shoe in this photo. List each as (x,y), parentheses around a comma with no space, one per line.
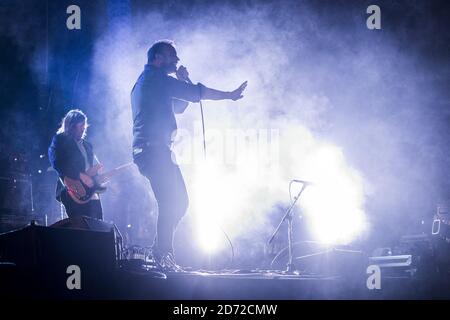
(167,263)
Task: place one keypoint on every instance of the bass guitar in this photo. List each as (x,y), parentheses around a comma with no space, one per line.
(90,182)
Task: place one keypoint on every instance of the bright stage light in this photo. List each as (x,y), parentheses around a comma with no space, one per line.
(237,198)
(212,201)
(334,203)
(226,202)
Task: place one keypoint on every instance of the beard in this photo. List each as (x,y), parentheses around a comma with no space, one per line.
(170,68)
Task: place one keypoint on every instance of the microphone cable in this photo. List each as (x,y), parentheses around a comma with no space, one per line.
(203,119)
(203,129)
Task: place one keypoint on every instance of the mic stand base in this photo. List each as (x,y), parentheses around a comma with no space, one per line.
(289,217)
(291,270)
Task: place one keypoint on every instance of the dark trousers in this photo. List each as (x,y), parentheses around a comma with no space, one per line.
(92,209)
(156,164)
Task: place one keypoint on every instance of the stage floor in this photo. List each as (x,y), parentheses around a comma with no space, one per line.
(208,285)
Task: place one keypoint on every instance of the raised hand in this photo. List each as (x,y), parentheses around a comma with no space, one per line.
(237,94)
(182,74)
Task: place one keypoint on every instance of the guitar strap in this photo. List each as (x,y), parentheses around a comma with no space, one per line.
(95,158)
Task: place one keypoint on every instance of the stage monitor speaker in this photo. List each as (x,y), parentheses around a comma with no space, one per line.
(92,224)
(47,258)
(52,249)
(84,223)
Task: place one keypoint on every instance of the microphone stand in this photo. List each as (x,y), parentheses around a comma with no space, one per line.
(289,217)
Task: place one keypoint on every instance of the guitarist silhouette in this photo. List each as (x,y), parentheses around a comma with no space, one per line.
(72,157)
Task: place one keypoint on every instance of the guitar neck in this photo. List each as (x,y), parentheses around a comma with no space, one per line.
(109,174)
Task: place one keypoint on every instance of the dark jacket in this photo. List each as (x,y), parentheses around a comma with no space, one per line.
(153,99)
(66,158)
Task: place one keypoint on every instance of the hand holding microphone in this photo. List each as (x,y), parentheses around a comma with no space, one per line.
(182,74)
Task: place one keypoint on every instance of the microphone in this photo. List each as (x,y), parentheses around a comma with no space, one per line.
(305,182)
(187,77)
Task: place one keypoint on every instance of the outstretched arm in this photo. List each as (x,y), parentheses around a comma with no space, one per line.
(184,89)
(213,94)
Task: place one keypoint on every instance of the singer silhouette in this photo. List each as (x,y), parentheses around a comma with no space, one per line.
(155,97)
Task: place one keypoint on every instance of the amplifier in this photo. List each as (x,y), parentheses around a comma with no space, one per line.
(441,223)
(16,194)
